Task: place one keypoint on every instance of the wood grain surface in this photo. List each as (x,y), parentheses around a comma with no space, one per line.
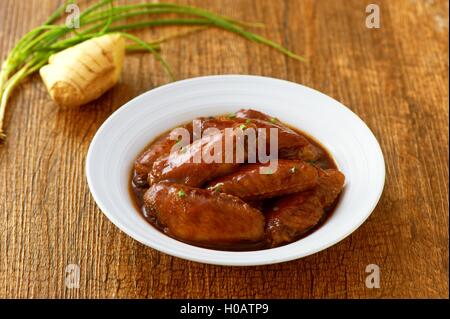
(395,78)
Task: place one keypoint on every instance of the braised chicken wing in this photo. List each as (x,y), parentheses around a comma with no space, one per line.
(161,147)
(144,162)
(331,182)
(293,215)
(207,218)
(250,184)
(253,114)
(290,147)
(188,165)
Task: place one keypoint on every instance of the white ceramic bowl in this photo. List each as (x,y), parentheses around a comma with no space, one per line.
(126,132)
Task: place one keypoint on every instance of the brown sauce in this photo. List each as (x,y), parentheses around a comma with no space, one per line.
(325,161)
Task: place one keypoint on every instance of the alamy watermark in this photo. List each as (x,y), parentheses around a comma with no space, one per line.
(72,276)
(373,17)
(73,17)
(373,279)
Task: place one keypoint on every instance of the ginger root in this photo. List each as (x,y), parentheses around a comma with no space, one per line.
(82,73)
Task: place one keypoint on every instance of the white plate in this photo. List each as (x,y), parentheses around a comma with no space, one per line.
(126,132)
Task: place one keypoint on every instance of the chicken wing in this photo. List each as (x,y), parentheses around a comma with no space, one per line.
(331,182)
(199,216)
(295,214)
(253,114)
(291,144)
(249,184)
(160,148)
(188,165)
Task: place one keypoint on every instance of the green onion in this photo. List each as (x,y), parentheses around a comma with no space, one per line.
(33,50)
(181,193)
(218,188)
(242,126)
(152,50)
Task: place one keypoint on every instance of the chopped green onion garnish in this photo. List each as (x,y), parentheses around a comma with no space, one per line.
(181,193)
(218,188)
(243,126)
(248,121)
(231,115)
(273,120)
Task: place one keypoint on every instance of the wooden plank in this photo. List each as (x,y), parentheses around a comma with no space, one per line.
(395,78)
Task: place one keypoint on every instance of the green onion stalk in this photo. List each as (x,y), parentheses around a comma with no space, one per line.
(33,50)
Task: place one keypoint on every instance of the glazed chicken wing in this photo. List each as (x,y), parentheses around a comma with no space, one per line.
(331,182)
(293,215)
(161,147)
(144,162)
(286,136)
(290,146)
(220,123)
(188,165)
(253,114)
(249,183)
(199,216)
(257,115)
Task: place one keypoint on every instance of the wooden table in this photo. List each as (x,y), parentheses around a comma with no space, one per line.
(395,78)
